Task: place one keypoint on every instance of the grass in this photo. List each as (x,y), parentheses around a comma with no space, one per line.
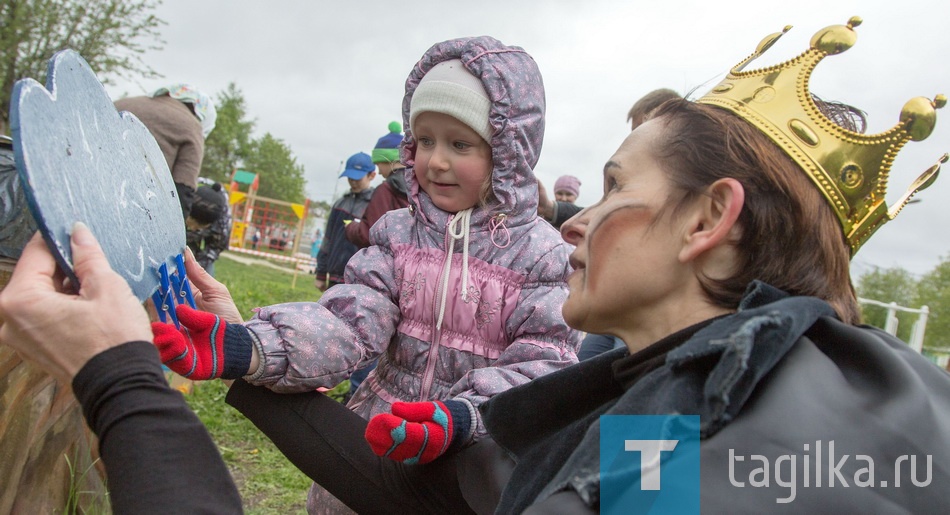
(78,499)
(254,286)
(269,484)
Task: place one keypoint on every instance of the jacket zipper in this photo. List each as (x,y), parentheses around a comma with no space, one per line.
(433,356)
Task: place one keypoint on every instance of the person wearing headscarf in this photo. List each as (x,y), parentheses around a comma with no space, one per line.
(179,117)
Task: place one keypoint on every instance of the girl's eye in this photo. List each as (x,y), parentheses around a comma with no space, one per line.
(425,142)
(461,145)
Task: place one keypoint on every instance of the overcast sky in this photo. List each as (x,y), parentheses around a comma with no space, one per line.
(327,77)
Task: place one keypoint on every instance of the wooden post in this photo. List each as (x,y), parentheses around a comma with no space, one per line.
(41,427)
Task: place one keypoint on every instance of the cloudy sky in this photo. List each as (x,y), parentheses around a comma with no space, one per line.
(327,77)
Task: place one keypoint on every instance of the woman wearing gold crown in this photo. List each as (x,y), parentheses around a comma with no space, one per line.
(739,315)
(741,312)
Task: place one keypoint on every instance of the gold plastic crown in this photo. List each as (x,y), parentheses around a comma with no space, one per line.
(851,169)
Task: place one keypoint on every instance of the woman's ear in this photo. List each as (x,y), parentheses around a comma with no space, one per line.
(714,220)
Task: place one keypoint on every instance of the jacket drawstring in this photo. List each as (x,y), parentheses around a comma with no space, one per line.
(493,225)
(458,229)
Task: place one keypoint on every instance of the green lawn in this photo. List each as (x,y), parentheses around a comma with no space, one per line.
(267,481)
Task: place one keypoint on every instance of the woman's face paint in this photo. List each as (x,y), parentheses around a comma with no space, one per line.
(625,259)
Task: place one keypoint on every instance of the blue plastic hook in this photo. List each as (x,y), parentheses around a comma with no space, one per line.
(165,288)
(185,291)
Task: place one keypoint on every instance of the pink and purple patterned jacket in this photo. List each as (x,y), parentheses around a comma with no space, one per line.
(505,332)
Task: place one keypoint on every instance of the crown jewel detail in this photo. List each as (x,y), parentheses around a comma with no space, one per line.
(850,168)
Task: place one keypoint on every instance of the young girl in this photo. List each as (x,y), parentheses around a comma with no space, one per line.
(459,296)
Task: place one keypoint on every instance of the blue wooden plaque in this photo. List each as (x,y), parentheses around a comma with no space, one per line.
(79,159)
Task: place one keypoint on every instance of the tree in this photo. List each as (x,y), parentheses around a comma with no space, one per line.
(230,142)
(230,146)
(889,285)
(933,291)
(111,35)
(281,177)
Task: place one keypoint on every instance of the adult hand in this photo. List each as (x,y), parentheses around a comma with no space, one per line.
(59,330)
(210,295)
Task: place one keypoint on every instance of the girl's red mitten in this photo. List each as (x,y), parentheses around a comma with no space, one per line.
(419,432)
(205,347)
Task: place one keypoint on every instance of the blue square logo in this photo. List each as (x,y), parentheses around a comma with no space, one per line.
(649,464)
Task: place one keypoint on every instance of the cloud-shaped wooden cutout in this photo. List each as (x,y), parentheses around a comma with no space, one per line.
(79,159)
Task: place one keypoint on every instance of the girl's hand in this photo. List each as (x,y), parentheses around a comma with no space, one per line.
(418,432)
(205,347)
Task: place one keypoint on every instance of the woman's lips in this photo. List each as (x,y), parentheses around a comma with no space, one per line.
(575,263)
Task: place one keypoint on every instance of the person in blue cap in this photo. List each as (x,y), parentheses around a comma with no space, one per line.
(336,250)
(392,194)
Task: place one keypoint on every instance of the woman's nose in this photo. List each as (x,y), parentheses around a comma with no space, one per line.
(575,228)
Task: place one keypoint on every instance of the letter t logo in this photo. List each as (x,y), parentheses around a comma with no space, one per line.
(650,459)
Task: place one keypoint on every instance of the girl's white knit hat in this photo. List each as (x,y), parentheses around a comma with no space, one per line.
(449,88)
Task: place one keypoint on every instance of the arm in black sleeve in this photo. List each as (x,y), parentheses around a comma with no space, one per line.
(324,439)
(158,455)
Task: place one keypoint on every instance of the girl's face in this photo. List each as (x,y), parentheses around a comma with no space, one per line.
(453,163)
(626,260)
